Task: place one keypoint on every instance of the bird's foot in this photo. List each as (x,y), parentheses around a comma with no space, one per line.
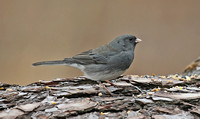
(111,94)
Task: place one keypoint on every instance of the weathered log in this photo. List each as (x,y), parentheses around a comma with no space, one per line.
(147,96)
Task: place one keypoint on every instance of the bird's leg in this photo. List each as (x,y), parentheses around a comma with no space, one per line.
(133,85)
(105,88)
(110,83)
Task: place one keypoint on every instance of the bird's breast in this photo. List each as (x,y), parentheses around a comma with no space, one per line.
(121,61)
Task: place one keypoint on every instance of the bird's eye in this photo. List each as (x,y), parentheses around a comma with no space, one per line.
(131,39)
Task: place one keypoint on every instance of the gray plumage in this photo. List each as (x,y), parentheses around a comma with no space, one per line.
(105,62)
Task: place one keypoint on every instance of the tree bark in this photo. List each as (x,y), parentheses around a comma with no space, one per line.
(134,97)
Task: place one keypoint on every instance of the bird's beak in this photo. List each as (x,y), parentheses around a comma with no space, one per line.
(138,40)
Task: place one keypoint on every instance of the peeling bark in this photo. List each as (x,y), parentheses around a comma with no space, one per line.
(140,97)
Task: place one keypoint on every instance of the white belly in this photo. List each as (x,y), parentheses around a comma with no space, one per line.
(103,75)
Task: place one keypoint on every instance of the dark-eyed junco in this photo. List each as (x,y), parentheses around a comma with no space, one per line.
(105,62)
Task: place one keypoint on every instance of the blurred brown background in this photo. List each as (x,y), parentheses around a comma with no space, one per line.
(37,30)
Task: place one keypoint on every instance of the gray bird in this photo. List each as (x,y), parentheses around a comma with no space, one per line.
(105,62)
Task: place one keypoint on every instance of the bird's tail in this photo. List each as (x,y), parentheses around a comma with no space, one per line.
(57,62)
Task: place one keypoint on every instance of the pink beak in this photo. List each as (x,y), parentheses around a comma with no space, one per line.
(138,40)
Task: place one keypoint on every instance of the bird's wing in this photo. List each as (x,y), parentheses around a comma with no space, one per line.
(90,57)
